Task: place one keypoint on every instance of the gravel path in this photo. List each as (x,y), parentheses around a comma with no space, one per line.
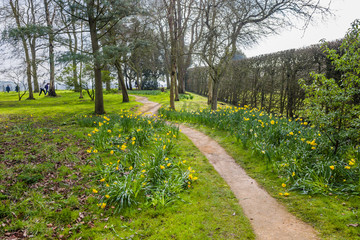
(270,220)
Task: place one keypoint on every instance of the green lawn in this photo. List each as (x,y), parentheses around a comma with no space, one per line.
(47,176)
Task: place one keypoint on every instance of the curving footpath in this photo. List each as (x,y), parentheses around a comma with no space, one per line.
(269,219)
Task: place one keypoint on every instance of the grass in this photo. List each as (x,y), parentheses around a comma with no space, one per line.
(196,102)
(47,176)
(333,216)
(58,107)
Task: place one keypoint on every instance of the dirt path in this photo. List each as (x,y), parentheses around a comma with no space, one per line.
(148,107)
(269,219)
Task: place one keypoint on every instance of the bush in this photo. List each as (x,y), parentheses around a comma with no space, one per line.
(149,84)
(140,169)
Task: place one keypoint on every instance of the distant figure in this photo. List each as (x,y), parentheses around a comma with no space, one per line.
(42,88)
(8,88)
(17,88)
(46,88)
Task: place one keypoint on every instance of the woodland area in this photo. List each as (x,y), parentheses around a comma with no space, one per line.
(87,43)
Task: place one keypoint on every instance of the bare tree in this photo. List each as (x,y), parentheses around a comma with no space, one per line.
(17,76)
(16,14)
(236,23)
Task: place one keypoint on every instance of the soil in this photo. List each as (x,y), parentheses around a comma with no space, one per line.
(269,219)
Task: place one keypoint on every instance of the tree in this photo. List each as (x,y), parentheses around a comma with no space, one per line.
(170,8)
(236,23)
(17,77)
(50,32)
(333,104)
(99,15)
(19,32)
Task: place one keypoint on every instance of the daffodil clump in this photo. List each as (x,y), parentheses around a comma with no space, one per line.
(304,156)
(139,168)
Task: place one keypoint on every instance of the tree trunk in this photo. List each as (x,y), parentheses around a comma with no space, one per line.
(215,95)
(107,83)
(138,80)
(15,11)
(33,64)
(176,89)
(81,49)
(121,81)
(173,51)
(99,101)
(180,52)
(167,80)
(32,43)
(51,50)
(210,90)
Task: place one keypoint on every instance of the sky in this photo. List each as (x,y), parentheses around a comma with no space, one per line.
(332,28)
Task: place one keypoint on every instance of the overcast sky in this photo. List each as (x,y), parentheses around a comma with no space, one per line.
(346,11)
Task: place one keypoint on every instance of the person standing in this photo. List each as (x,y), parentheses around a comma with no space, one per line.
(17,88)
(42,88)
(46,88)
(8,88)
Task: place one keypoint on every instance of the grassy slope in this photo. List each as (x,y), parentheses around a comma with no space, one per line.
(47,176)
